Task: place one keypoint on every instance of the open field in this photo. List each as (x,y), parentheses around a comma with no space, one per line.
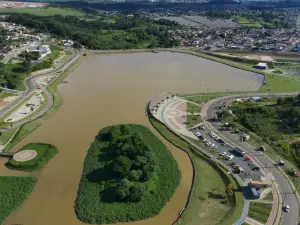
(44,153)
(180,20)
(260,211)
(49,11)
(213,23)
(202,98)
(14,191)
(99,178)
(248,23)
(209,179)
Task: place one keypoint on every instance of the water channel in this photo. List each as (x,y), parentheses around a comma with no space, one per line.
(113,89)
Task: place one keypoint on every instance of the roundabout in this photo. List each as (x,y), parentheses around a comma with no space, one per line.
(25,155)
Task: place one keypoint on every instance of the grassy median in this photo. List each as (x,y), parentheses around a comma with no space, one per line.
(260,211)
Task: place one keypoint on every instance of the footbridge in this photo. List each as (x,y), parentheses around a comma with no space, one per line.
(7,154)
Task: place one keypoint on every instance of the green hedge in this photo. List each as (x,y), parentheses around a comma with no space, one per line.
(13,192)
(90,205)
(44,153)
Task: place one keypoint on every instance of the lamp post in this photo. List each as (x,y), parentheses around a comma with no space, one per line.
(201,88)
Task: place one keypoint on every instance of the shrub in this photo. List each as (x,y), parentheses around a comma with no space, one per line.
(14,191)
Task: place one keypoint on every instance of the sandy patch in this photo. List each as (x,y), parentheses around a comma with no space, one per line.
(173,124)
(5,101)
(25,155)
(27,108)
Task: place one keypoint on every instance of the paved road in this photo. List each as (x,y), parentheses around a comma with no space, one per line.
(31,85)
(290,218)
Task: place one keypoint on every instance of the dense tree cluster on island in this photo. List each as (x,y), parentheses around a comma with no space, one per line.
(128,175)
(133,163)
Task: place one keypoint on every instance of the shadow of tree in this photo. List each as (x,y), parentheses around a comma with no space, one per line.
(108,195)
(101,174)
(215,195)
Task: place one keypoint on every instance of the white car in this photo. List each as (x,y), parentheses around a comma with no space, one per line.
(223,153)
(287,208)
(229,157)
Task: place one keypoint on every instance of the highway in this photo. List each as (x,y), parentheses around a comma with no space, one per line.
(290,218)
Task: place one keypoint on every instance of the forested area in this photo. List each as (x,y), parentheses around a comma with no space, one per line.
(278,124)
(123,33)
(128,175)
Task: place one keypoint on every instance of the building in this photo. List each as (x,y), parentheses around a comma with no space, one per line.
(261,66)
(43,50)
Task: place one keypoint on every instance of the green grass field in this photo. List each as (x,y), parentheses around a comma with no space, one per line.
(45,152)
(96,201)
(202,98)
(249,23)
(269,196)
(192,117)
(260,211)
(14,191)
(6,136)
(49,11)
(209,179)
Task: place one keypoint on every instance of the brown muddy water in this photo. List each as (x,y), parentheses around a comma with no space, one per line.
(113,89)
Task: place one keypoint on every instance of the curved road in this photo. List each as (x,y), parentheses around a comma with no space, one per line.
(287,191)
(31,86)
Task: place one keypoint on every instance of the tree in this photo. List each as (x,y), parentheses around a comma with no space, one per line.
(122,165)
(133,175)
(280,101)
(77,45)
(123,189)
(137,192)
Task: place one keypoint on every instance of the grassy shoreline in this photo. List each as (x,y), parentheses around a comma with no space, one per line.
(97,201)
(27,128)
(197,197)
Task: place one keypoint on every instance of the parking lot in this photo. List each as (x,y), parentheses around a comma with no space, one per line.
(239,161)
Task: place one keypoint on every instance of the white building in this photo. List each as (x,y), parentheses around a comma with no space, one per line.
(43,50)
(261,66)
